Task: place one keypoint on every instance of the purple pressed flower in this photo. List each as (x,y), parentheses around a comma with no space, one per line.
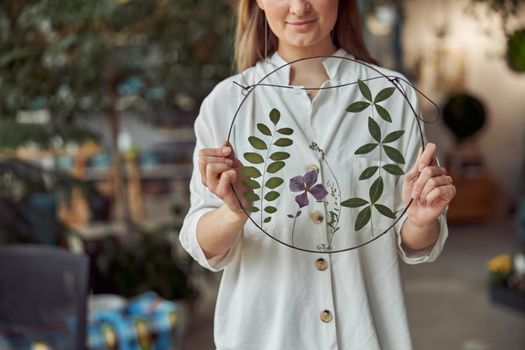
(307,184)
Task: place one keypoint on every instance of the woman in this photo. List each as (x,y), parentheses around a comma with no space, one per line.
(274,297)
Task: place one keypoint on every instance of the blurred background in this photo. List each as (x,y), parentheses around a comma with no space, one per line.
(97,105)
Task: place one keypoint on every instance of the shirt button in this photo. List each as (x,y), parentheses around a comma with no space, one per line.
(312,167)
(321,264)
(326,316)
(317,217)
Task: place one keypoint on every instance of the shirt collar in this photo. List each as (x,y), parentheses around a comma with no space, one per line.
(330,65)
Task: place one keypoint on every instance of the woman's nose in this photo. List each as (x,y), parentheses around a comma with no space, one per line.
(299,7)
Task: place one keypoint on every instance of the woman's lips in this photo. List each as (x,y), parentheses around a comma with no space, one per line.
(302,25)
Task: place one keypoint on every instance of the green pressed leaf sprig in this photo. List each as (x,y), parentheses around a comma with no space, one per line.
(266,164)
(381,143)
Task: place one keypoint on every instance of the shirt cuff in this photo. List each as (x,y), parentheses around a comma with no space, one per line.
(188,240)
(430,254)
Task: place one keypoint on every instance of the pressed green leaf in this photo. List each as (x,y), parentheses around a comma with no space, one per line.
(274,182)
(357,107)
(374,130)
(275,115)
(368,172)
(283,142)
(250,171)
(376,190)
(354,202)
(270,210)
(393,136)
(285,131)
(383,113)
(393,169)
(264,129)
(275,166)
(251,184)
(394,154)
(251,196)
(363,218)
(257,142)
(384,210)
(384,94)
(253,158)
(271,196)
(280,156)
(268,219)
(290,216)
(369,147)
(364,90)
(252,209)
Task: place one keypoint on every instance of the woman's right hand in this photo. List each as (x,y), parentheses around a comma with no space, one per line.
(220,169)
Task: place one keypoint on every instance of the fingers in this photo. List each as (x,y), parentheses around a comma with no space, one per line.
(211,156)
(224,186)
(426,174)
(414,171)
(445,193)
(433,183)
(213,174)
(428,156)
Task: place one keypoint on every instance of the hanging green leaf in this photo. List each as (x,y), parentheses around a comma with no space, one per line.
(354,202)
(251,196)
(285,131)
(369,147)
(357,107)
(384,94)
(365,90)
(394,154)
(253,158)
(252,209)
(275,166)
(393,169)
(271,196)
(376,190)
(274,182)
(257,142)
(384,210)
(270,210)
(250,171)
(283,142)
(275,115)
(363,218)
(368,172)
(383,113)
(268,219)
(374,130)
(279,156)
(251,184)
(264,129)
(393,136)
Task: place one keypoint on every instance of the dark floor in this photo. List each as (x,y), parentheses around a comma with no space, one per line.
(447,301)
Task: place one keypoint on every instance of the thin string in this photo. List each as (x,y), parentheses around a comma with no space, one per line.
(265,37)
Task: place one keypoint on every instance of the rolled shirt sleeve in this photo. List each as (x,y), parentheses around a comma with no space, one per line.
(431,253)
(202,200)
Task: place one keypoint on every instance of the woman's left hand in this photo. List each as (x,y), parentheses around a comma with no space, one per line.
(429,186)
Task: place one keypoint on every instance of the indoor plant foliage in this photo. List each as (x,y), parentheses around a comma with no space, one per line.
(516,50)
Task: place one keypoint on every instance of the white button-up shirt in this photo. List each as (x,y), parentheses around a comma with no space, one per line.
(272,296)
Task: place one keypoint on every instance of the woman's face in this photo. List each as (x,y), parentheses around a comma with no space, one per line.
(301,23)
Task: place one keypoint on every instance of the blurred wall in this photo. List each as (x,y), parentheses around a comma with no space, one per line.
(479,43)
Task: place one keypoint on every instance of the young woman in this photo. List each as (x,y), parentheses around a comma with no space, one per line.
(273,297)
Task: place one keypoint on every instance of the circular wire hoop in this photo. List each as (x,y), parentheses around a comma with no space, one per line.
(394,81)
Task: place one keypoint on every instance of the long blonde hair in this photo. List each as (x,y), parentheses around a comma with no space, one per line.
(249,36)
